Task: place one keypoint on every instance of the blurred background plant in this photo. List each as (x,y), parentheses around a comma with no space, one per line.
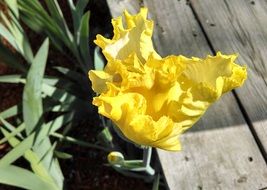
(55,97)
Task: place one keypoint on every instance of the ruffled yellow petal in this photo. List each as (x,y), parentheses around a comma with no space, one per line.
(99,80)
(213,76)
(134,37)
(130,73)
(154,133)
(120,107)
(167,70)
(128,112)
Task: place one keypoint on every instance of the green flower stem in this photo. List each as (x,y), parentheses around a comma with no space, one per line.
(79,142)
(117,161)
(146,160)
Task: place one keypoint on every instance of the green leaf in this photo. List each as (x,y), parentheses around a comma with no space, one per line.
(33,111)
(32,99)
(55,11)
(33,14)
(105,137)
(18,150)
(13,6)
(99,62)
(57,15)
(10,59)
(12,79)
(21,42)
(40,143)
(79,142)
(35,24)
(15,132)
(84,40)
(63,155)
(81,5)
(77,12)
(57,94)
(8,36)
(75,76)
(51,127)
(37,166)
(28,55)
(10,112)
(19,177)
(34,138)
(9,126)
(75,18)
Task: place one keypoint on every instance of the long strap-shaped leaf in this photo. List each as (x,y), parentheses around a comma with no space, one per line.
(11,127)
(32,99)
(33,111)
(19,177)
(22,148)
(9,59)
(36,138)
(77,12)
(20,41)
(41,160)
(15,132)
(57,15)
(84,41)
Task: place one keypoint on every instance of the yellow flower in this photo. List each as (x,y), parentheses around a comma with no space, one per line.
(153,100)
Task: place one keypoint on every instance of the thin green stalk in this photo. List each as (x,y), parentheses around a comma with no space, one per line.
(79,142)
(146,160)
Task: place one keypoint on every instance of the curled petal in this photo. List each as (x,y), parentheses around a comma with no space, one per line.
(99,80)
(130,73)
(127,111)
(121,107)
(135,37)
(167,70)
(155,133)
(211,77)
